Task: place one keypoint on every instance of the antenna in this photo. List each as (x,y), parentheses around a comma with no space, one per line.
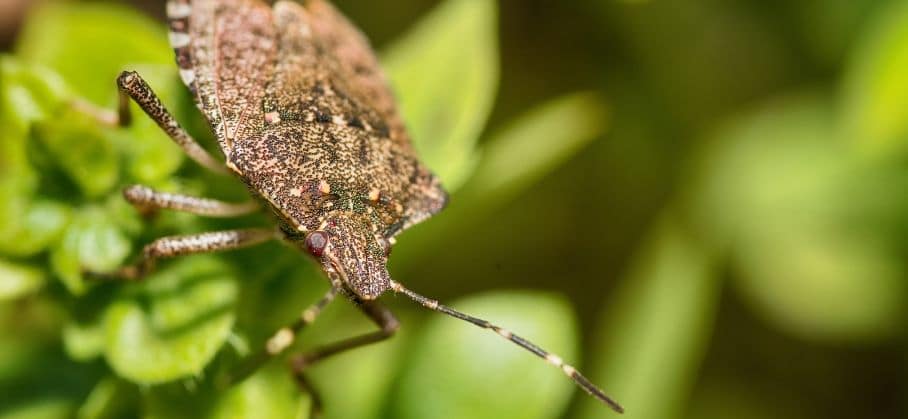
(551,358)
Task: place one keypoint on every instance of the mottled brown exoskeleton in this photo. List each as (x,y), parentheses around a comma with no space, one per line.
(304,117)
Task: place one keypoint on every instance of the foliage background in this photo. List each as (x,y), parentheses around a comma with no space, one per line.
(698,202)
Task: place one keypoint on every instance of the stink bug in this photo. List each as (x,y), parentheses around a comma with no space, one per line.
(304,117)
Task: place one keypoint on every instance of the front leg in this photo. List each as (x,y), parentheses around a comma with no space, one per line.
(131,85)
(173,246)
(148,201)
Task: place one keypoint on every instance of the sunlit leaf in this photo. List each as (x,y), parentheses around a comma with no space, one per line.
(172,324)
(654,329)
(83,38)
(875,99)
(17,280)
(534,144)
(460,371)
(445,71)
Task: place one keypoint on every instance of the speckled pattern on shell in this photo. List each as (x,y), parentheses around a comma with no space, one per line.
(305,117)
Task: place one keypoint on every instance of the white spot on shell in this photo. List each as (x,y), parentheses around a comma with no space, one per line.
(272,117)
(178,10)
(339,120)
(324,187)
(305,30)
(179,39)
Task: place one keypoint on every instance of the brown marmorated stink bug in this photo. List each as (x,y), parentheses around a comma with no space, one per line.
(304,117)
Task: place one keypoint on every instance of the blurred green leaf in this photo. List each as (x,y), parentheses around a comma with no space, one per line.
(797,211)
(41,409)
(654,331)
(30,92)
(110,398)
(534,144)
(875,97)
(17,280)
(357,384)
(41,225)
(794,277)
(459,371)
(446,72)
(38,381)
(83,342)
(172,324)
(81,149)
(83,37)
(91,242)
(270,393)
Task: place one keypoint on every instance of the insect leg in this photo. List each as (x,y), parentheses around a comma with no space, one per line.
(131,85)
(377,313)
(281,340)
(551,358)
(148,200)
(173,246)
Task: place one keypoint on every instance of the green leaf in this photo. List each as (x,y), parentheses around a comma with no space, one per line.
(83,342)
(92,242)
(82,40)
(28,93)
(534,144)
(270,393)
(875,99)
(172,324)
(40,409)
(110,398)
(37,229)
(357,384)
(654,332)
(459,371)
(18,280)
(446,73)
(82,150)
(801,217)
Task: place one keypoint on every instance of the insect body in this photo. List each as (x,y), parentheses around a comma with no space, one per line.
(304,117)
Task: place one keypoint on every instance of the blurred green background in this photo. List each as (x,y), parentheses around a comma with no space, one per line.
(699,203)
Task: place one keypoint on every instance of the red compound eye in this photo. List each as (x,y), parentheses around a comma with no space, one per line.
(316,242)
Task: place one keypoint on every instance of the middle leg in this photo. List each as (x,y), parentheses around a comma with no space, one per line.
(148,200)
(167,247)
